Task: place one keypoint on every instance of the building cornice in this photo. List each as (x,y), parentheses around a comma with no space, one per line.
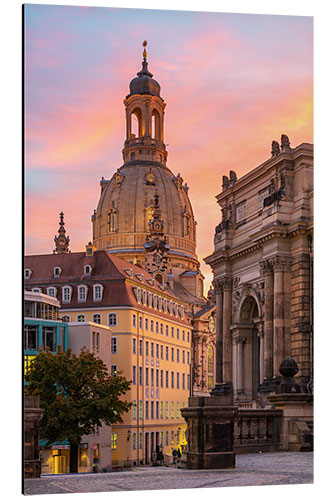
(258,240)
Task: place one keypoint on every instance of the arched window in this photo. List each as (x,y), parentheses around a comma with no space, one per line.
(38,290)
(65,319)
(81,318)
(132,156)
(155,125)
(98,291)
(136,123)
(82,293)
(51,291)
(27,273)
(87,270)
(66,294)
(112,319)
(56,272)
(210,367)
(112,220)
(97,319)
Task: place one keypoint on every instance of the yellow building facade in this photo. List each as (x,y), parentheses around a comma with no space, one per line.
(150,343)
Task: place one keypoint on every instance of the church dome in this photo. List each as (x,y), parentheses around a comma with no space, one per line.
(144,186)
(121,221)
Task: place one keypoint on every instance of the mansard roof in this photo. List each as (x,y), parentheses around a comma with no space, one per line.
(118,278)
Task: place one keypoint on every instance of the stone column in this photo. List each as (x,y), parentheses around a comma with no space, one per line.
(261,353)
(278,317)
(146,117)
(286,306)
(239,384)
(227,340)
(268,325)
(219,330)
(128,124)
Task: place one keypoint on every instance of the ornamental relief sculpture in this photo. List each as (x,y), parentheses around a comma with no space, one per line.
(256,290)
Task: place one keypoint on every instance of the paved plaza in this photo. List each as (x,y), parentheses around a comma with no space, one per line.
(251,470)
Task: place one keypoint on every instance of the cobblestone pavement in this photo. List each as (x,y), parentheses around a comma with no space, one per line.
(251,470)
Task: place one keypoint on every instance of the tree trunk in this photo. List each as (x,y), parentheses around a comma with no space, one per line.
(73,457)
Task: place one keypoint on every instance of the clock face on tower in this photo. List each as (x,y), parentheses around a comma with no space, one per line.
(150,178)
(157,226)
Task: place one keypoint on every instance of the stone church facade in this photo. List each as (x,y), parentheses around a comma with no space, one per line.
(262,264)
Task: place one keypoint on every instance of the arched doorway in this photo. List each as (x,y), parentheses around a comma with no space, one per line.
(247,350)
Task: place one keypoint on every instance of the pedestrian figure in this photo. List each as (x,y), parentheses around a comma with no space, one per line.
(174,455)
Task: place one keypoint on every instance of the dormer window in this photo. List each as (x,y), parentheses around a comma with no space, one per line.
(129,271)
(139,276)
(27,273)
(37,290)
(66,294)
(51,291)
(98,292)
(56,272)
(82,293)
(87,270)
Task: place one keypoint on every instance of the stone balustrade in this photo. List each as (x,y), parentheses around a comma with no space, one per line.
(257,430)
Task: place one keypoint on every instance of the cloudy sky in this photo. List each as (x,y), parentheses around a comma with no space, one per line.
(232,84)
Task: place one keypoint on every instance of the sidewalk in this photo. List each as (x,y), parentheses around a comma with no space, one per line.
(251,470)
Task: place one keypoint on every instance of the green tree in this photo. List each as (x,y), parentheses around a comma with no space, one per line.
(76,393)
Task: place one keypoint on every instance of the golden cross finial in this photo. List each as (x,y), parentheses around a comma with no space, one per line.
(144,44)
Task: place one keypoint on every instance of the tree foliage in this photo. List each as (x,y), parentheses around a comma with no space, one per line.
(77,393)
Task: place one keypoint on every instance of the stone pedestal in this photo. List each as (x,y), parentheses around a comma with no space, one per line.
(32,417)
(297,425)
(210,429)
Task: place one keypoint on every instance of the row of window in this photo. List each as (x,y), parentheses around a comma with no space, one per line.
(57,272)
(157,302)
(137,439)
(159,328)
(160,378)
(154,326)
(67,291)
(48,337)
(157,410)
(157,350)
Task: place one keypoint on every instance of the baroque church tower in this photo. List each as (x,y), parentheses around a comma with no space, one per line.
(145,206)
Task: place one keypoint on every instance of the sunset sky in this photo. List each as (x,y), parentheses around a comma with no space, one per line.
(232,84)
